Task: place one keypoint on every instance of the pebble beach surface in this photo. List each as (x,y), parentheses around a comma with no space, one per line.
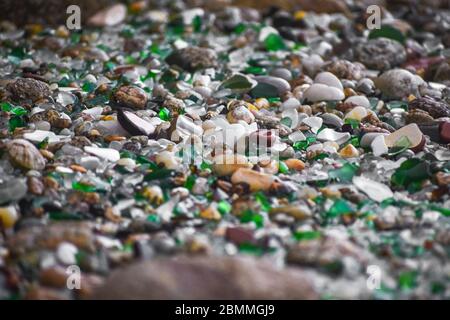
(182,150)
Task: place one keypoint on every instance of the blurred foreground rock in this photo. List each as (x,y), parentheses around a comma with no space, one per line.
(206,278)
(52,12)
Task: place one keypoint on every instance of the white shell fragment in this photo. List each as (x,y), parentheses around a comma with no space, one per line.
(374,190)
(328,134)
(315,123)
(104,153)
(379,146)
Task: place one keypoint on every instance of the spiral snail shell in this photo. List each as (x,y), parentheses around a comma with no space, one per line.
(25,155)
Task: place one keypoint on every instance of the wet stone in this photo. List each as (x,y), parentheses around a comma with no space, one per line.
(436,109)
(345,69)
(28,89)
(399,83)
(380,53)
(12,190)
(131,97)
(193,58)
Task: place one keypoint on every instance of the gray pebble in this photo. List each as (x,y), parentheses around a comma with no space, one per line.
(117,145)
(90,162)
(365,86)
(12,190)
(282,73)
(42,125)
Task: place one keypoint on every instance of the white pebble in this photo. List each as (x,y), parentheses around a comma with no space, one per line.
(66,253)
(322,92)
(328,79)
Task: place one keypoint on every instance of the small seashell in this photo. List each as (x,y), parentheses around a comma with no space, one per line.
(25,155)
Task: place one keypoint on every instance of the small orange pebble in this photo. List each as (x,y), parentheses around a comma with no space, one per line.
(78,168)
(50,183)
(47,154)
(411,97)
(62,32)
(261,103)
(220,231)
(349,92)
(34,28)
(102,88)
(107,118)
(251,107)
(295,164)
(349,151)
(299,15)
(210,213)
(114,138)
(421,72)
(329,193)
(137,6)
(8,217)
(94,133)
